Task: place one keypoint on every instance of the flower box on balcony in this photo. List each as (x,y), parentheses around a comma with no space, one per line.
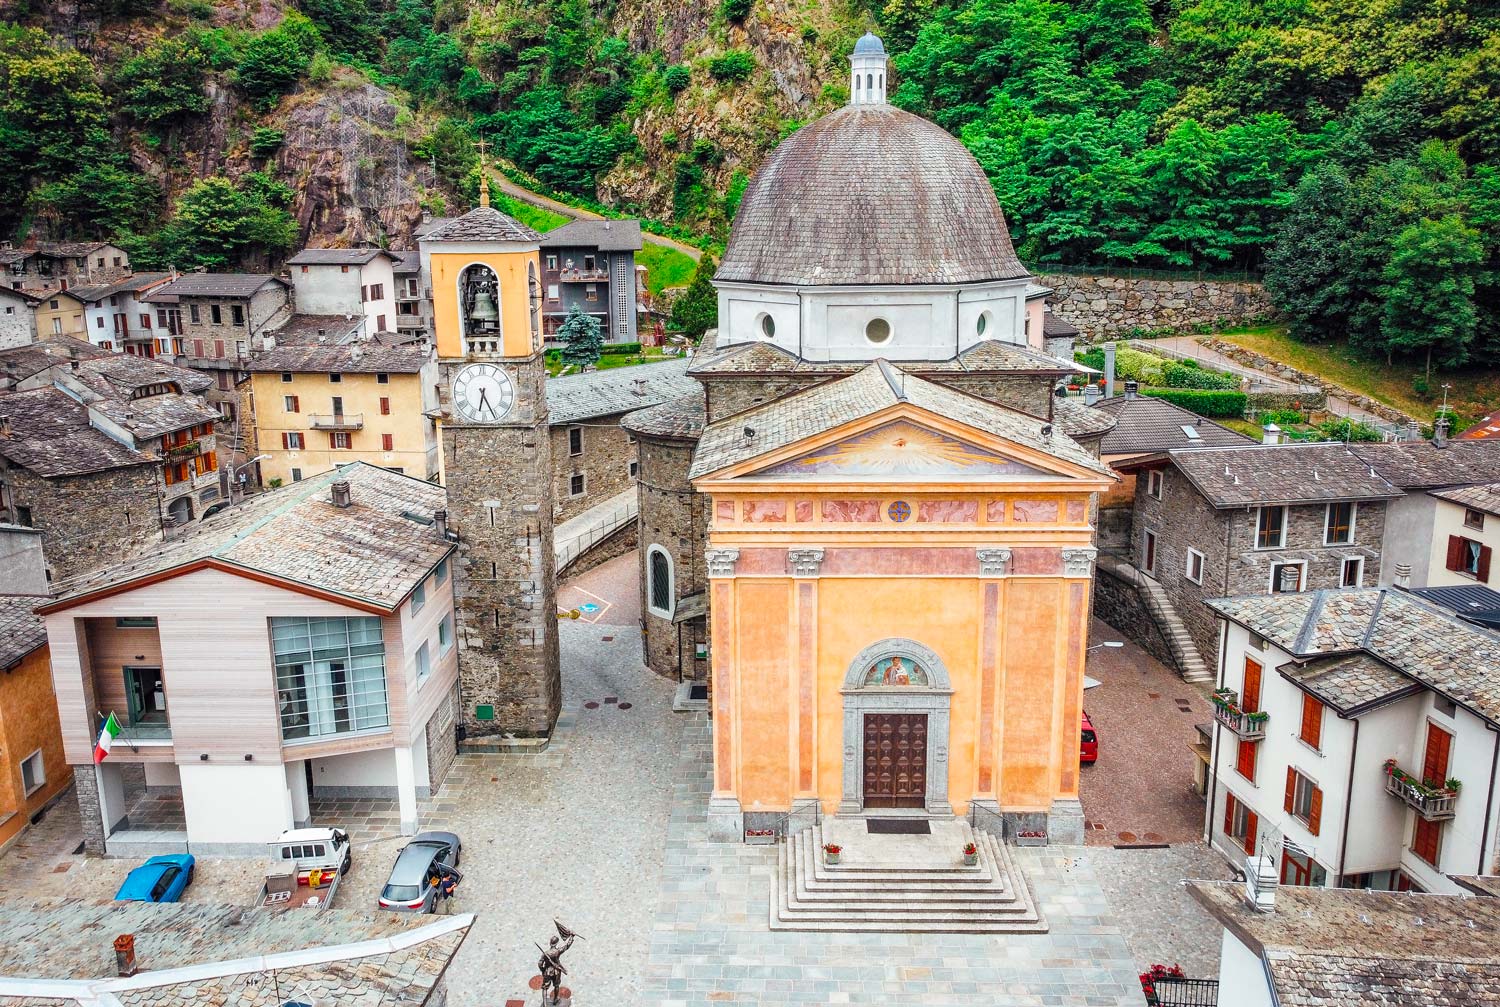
(1246,726)
(1436,804)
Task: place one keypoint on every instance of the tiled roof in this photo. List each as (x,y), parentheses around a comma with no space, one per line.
(1486,429)
(131,284)
(22,362)
(1483,497)
(1487,885)
(406,263)
(986,356)
(107,383)
(370,551)
(1423,465)
(194,954)
(65,249)
(616,390)
(1350,683)
(1422,640)
(1144,424)
(876,387)
(1281,474)
(1472,602)
(21,629)
(336,256)
(869,194)
(1337,947)
(676,419)
(212,285)
(324,344)
(1078,420)
(50,435)
(605,235)
(1055,326)
(483,223)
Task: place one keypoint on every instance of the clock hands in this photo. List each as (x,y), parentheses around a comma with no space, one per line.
(484,402)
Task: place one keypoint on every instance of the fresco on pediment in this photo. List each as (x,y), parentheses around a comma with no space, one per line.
(900,450)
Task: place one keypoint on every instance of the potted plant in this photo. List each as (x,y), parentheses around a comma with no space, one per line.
(760,837)
(1031,837)
(971,854)
(831,852)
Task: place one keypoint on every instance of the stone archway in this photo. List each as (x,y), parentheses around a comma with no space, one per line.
(931,693)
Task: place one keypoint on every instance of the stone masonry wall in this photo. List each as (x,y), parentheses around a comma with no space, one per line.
(86,787)
(674,516)
(89,521)
(1260,362)
(604,464)
(442,740)
(1119,604)
(1104,306)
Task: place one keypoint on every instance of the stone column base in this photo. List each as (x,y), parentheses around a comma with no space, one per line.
(804,814)
(86,789)
(1065,823)
(726,822)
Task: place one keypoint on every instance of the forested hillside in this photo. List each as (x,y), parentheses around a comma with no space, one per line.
(1348,149)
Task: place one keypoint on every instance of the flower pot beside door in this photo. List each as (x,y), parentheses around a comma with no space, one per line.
(971,855)
(831,852)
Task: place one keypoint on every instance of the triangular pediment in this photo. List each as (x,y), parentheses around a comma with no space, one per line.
(898,450)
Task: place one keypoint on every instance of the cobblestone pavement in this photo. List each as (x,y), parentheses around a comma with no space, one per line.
(1141,789)
(1162,922)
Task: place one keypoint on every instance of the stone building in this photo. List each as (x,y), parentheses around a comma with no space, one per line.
(590,265)
(58,265)
(593,456)
(346,281)
(413,305)
(34,772)
(1255,520)
(876,459)
(17,318)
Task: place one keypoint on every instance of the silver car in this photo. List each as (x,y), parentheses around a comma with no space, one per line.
(429,857)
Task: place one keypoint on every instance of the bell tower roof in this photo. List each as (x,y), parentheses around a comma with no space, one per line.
(483,223)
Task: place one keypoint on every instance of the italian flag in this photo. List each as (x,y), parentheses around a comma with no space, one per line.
(107,735)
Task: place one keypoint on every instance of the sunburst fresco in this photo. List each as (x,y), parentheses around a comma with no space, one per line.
(900,449)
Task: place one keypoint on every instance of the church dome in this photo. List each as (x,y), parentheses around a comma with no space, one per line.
(869,194)
(869,44)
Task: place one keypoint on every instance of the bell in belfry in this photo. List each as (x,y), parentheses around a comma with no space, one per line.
(484,313)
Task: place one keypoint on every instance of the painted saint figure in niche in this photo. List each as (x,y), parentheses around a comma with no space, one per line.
(895,671)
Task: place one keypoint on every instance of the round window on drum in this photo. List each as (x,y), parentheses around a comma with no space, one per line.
(878,331)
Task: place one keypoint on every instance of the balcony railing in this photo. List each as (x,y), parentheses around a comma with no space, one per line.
(1436,804)
(337,421)
(1176,991)
(1246,726)
(584,275)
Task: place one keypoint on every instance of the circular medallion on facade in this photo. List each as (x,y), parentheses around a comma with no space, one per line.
(899,511)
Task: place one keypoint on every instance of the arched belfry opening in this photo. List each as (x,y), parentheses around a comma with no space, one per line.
(479,308)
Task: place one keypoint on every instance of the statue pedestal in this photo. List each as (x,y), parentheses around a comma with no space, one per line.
(564,994)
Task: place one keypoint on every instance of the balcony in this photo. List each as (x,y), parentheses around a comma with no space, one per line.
(1245,726)
(337,421)
(1436,804)
(583,275)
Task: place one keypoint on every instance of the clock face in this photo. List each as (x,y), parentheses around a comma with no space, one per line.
(483,393)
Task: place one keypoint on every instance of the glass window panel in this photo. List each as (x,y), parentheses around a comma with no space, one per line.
(330,675)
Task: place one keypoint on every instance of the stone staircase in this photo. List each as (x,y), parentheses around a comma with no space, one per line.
(1190,663)
(901,884)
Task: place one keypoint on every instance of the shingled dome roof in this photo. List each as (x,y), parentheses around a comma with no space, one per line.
(869,44)
(869,194)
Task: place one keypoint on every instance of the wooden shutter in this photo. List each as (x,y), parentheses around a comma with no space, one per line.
(333,440)
(1229,803)
(1425,840)
(1252,824)
(1245,760)
(1312,721)
(386,442)
(296,404)
(1315,811)
(1455,552)
(1483,573)
(385,406)
(286,441)
(1435,760)
(1291,788)
(1250,695)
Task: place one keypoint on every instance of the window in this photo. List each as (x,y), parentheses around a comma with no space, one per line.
(441,573)
(1244,760)
(1473,519)
(364,294)
(193,313)
(591,292)
(334,379)
(1303,800)
(286,377)
(768,326)
(634,469)
(377,292)
(219,348)
(1240,823)
(99,321)
(23,516)
(290,402)
(382,378)
(659,598)
(1148,563)
(1353,572)
(296,475)
(1270,528)
(337,404)
(878,331)
(304,269)
(100,261)
(117,260)
(387,442)
(424,662)
(330,675)
(380,323)
(1338,527)
(198,348)
(237,313)
(339,440)
(575,440)
(1435,756)
(1427,840)
(344,268)
(588,263)
(445,634)
(419,597)
(1250,686)
(552,293)
(1195,566)
(551,262)
(1286,578)
(215,315)
(1312,721)
(575,484)
(385,406)
(207,462)
(1469,557)
(1155,478)
(57,326)
(1299,869)
(33,773)
(292,440)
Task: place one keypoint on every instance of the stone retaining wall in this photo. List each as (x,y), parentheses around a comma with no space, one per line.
(1106,306)
(1260,362)
(1118,603)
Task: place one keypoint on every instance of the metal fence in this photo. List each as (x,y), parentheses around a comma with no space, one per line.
(574,547)
(1173,992)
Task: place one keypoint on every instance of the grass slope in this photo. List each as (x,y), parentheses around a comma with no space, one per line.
(665,267)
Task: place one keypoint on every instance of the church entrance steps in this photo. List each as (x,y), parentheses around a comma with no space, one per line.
(917,884)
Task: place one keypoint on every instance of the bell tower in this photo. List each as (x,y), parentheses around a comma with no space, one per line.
(483,274)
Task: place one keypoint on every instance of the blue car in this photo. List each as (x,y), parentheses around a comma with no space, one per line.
(160,879)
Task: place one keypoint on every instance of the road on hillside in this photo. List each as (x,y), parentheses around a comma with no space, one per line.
(576,213)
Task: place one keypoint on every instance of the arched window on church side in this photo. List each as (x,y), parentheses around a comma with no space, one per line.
(659,566)
(869,81)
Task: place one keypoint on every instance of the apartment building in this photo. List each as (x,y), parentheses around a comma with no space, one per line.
(590,264)
(58,265)
(346,281)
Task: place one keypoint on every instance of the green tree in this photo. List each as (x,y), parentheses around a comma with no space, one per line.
(697,310)
(164,84)
(1429,291)
(271,62)
(103,197)
(583,338)
(219,223)
(735,10)
(734,65)
(1309,266)
(677,78)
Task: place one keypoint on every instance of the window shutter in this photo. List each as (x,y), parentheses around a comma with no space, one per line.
(1229,802)
(1455,552)
(385,406)
(1291,788)
(386,442)
(1435,759)
(1424,841)
(333,440)
(1315,811)
(1312,721)
(1252,824)
(1245,760)
(1250,694)
(1483,573)
(286,441)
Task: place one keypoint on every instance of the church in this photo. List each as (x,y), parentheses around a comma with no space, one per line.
(871,534)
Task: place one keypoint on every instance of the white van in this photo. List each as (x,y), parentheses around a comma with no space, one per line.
(299,851)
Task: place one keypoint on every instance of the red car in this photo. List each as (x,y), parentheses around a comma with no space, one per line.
(1089,749)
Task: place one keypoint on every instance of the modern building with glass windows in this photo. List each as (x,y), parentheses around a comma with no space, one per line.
(325,668)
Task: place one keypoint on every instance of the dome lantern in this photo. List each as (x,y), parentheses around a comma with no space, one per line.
(867,71)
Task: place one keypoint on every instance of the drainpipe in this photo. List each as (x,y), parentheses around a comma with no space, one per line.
(1349,804)
(1489,801)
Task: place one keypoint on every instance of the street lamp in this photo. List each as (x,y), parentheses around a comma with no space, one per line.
(1111,644)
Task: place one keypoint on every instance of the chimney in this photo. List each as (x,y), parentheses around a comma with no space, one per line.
(1440,432)
(1090,393)
(1270,434)
(341,497)
(1260,883)
(638,386)
(1109,370)
(1131,388)
(440,518)
(1403,575)
(268,341)
(125,954)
